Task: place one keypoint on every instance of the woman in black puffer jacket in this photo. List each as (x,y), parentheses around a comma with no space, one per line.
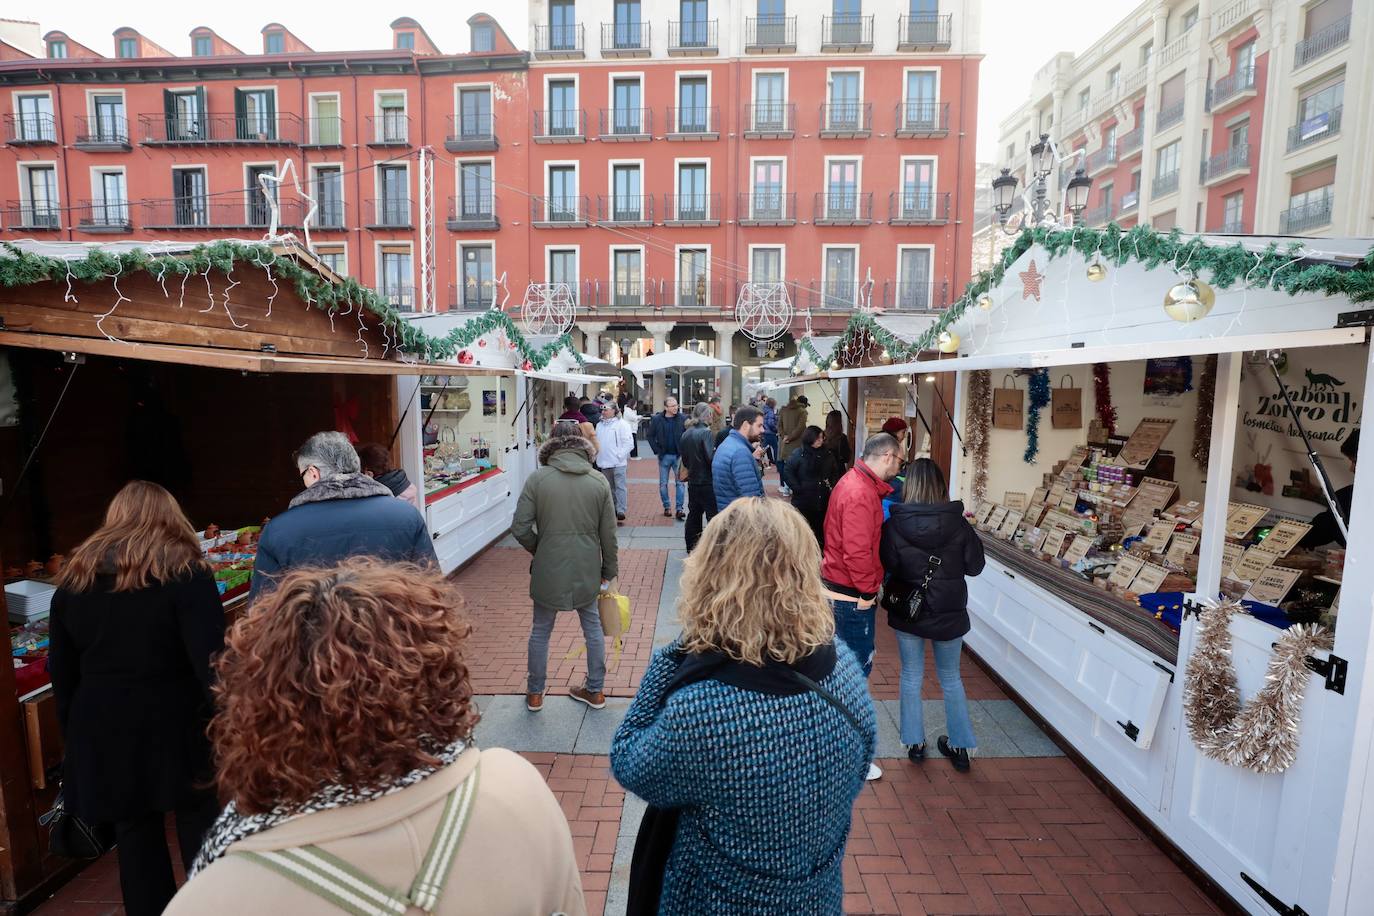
(809,472)
(925,524)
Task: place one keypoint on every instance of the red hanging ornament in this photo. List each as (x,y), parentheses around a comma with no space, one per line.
(1102,395)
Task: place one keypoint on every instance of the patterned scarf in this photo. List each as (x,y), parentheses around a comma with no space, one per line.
(231,826)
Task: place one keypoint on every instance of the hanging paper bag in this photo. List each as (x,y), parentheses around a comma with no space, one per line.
(1008,405)
(1066,405)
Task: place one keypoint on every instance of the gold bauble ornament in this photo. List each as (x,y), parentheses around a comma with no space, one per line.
(1097,272)
(1189,300)
(885,357)
(947,342)
(834,364)
(985,302)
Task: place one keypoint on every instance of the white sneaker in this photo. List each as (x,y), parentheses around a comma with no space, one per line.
(874,772)
(785,491)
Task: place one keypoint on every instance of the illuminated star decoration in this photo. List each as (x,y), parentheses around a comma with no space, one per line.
(1030,282)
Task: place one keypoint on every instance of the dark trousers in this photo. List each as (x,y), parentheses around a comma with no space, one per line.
(815,517)
(701,508)
(145,864)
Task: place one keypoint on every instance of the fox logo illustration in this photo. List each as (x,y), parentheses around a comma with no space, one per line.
(1322,380)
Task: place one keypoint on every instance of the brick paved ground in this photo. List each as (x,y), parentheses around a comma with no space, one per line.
(497,588)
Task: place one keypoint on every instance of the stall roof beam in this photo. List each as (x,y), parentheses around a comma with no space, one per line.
(1035,359)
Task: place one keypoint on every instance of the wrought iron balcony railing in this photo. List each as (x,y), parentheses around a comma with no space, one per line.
(919,294)
(559,210)
(626,123)
(273,130)
(472,211)
(694,123)
(846,119)
(1165,184)
(693,36)
(27,215)
(325,131)
(1324,42)
(390,128)
(471,297)
(30,129)
(770,34)
(1170,115)
(240,210)
(1225,162)
(1230,87)
(691,209)
(769,120)
(915,118)
(847,32)
(560,125)
(329,214)
(103,216)
(1309,216)
(471,133)
(390,213)
(767,207)
(1130,142)
(925,32)
(625,209)
(843,208)
(624,39)
(1102,159)
(1314,129)
(919,206)
(104,132)
(400,297)
(552,42)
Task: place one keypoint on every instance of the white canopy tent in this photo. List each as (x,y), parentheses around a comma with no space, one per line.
(679,358)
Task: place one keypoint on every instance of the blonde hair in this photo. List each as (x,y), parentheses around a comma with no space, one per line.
(751,588)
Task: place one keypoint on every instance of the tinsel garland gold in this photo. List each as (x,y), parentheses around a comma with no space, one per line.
(1262,735)
(1202,421)
(979,423)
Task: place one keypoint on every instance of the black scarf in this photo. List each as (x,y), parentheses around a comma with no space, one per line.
(394,480)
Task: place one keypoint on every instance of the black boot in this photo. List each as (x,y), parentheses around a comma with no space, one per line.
(916,753)
(957,755)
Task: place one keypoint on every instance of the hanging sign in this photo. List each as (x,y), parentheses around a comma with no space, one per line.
(1142,445)
(877,411)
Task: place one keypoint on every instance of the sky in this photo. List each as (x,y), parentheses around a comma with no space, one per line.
(1018,36)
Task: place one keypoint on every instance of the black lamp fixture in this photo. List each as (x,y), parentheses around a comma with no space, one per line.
(1044,158)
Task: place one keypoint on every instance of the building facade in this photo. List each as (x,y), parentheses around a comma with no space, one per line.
(1222,116)
(653,156)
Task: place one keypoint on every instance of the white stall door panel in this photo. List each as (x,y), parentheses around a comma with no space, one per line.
(1122,684)
(465,523)
(1278,828)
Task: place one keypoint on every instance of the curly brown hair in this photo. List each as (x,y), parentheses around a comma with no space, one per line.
(351,675)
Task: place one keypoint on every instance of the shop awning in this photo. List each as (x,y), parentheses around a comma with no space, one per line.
(793,382)
(570,378)
(242,360)
(1192,346)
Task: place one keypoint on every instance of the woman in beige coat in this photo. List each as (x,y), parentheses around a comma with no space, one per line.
(343,744)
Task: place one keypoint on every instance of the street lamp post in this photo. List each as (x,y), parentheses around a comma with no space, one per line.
(1044,157)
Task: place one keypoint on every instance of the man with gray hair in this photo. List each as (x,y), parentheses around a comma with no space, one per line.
(341,513)
(851,570)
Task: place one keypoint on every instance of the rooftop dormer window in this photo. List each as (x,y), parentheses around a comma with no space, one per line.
(57,49)
(202,46)
(405,41)
(483,37)
(274,43)
(128,47)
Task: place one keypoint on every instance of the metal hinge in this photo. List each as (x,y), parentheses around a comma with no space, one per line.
(1356,319)
(1278,905)
(1130,728)
(1333,669)
(1166,669)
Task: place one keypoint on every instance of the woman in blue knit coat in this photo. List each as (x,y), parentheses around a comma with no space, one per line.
(763,768)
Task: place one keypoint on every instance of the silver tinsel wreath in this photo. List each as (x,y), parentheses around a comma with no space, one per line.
(1262,735)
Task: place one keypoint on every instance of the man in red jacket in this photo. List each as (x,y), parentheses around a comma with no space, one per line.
(850,568)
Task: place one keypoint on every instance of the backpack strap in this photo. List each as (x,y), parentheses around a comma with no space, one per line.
(327,876)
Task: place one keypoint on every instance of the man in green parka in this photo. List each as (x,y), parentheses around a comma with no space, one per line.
(566,518)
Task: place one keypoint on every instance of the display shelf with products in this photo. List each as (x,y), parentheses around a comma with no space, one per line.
(466,431)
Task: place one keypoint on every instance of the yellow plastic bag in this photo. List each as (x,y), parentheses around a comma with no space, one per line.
(614,609)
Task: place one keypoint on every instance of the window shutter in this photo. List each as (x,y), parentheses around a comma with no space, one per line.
(1317,178)
(169,105)
(201,114)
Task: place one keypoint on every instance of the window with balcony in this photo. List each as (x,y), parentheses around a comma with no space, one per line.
(1245,59)
(1166,168)
(627,194)
(479,282)
(842,189)
(1085,98)
(393,204)
(770,102)
(396,278)
(1319,113)
(627,27)
(627,276)
(392,124)
(57,49)
(765,265)
(694,105)
(1189,20)
(693,276)
(1326,26)
(847,24)
(1147,51)
(695,25)
(39,206)
(918,189)
(326,128)
(845,110)
(259,198)
(335,257)
(128,47)
(913,278)
(839,285)
(483,37)
(35,122)
(1165,221)
(1310,200)
(202,46)
(1238,136)
(562,193)
(693,196)
(1113,80)
(474,114)
(771,28)
(1232,210)
(190,200)
(627,112)
(111,125)
(1011,152)
(564,115)
(767,200)
(562,267)
(1171,102)
(922,101)
(329,206)
(255,114)
(562,25)
(274,43)
(475,192)
(405,41)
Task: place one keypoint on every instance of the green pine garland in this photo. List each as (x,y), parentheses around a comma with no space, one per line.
(22,268)
(1224,266)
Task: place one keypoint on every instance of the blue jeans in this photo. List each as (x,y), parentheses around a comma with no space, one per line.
(913,652)
(667,468)
(855,628)
(770,442)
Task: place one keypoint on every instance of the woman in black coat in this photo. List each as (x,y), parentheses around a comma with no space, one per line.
(928,524)
(136,621)
(810,473)
(837,445)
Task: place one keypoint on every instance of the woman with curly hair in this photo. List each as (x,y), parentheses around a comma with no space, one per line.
(755,726)
(343,745)
(136,620)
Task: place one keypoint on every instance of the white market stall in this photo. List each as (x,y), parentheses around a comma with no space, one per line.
(681,359)
(467,432)
(1098,542)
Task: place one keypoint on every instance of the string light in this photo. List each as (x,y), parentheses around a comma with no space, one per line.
(119,297)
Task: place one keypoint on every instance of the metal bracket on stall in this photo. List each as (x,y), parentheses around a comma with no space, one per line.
(1192,608)
(1333,669)
(268,348)
(1361,318)
(1131,729)
(76,359)
(1278,905)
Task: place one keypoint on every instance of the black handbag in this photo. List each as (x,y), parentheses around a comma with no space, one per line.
(906,600)
(71,837)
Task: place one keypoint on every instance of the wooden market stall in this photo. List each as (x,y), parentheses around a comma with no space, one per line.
(1139,411)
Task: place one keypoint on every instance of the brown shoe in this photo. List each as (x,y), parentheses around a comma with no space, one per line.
(534,701)
(583,695)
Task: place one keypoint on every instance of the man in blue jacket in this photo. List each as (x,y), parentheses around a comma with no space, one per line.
(665,438)
(734,467)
